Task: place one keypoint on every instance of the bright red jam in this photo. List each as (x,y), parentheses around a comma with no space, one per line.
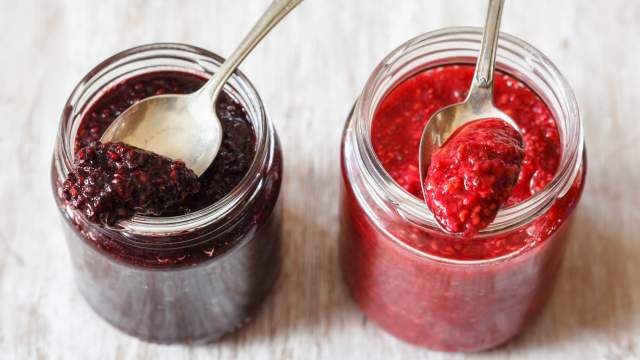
(402,115)
(473,174)
(446,291)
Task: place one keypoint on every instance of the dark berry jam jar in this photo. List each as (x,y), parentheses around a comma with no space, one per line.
(428,287)
(204,270)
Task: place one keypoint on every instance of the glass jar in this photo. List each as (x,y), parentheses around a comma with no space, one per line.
(428,299)
(184,278)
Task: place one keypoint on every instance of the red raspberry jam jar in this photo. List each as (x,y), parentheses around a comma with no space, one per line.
(203,269)
(434,289)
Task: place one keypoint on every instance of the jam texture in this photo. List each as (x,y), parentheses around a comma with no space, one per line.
(401,116)
(112,181)
(473,174)
(238,140)
(397,128)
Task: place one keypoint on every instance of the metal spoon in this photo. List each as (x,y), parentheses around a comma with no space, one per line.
(478,104)
(186,127)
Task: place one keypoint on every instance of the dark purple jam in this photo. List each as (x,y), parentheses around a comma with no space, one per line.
(113,181)
(227,170)
(106,189)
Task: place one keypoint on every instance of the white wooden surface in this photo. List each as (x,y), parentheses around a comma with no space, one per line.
(309,71)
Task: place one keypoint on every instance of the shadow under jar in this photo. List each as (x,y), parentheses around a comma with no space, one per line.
(203,271)
(423,285)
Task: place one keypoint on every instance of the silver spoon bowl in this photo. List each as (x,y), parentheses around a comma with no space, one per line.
(478,104)
(186,127)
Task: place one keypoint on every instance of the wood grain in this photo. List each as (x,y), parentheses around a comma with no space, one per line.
(309,71)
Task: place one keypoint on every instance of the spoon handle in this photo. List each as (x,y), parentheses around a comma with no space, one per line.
(483,77)
(271,17)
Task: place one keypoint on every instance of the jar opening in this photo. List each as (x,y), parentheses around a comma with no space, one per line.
(459,46)
(169,57)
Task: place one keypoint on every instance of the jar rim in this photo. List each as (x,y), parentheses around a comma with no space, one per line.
(413,209)
(221,210)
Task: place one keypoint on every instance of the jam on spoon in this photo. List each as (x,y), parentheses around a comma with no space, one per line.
(112,181)
(473,174)
(476,174)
